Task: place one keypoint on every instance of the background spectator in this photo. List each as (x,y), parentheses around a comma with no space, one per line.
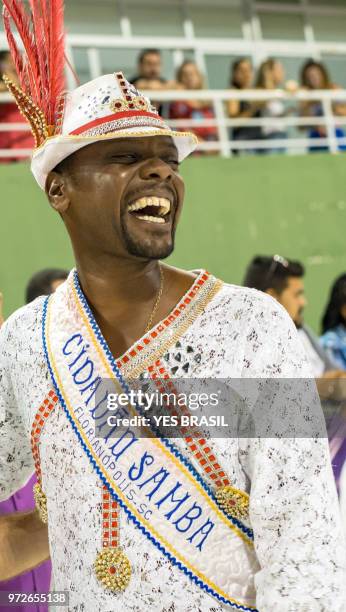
(314,75)
(149,75)
(242,76)
(271,75)
(189,77)
(44,282)
(283,280)
(9,113)
(334,323)
(149,70)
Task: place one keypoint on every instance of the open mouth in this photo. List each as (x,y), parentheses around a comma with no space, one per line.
(151,209)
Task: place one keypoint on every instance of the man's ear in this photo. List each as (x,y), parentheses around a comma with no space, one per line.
(56,191)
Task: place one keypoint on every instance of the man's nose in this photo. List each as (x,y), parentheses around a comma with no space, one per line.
(155,168)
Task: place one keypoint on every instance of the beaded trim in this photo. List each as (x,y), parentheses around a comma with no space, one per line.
(123,134)
(40,419)
(151,346)
(110,520)
(131,97)
(112,567)
(39,128)
(122,124)
(44,411)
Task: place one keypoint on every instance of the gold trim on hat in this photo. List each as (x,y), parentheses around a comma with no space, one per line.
(120,134)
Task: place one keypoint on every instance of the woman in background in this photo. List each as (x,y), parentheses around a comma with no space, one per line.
(314,75)
(333,339)
(271,76)
(189,77)
(242,77)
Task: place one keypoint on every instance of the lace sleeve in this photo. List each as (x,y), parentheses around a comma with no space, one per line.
(16,463)
(294,507)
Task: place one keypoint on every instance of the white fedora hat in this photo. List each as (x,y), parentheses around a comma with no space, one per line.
(107,107)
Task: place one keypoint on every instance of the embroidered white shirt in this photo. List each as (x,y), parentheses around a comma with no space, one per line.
(293,509)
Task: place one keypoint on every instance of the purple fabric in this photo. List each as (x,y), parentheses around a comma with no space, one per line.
(338,463)
(336,427)
(37,580)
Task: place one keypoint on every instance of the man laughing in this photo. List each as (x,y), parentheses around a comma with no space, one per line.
(137,522)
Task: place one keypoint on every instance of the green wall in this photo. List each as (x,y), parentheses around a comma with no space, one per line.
(234,209)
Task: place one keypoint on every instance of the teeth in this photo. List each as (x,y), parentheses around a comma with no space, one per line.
(163,205)
(151,219)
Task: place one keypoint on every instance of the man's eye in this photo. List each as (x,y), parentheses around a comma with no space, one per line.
(173,162)
(126,158)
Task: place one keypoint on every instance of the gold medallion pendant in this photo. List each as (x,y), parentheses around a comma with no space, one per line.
(40,502)
(233,501)
(113,569)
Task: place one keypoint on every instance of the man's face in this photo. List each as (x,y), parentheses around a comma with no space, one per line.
(150,66)
(293,299)
(124,197)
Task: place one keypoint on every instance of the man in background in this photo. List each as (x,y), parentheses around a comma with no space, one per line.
(149,76)
(44,282)
(283,279)
(149,70)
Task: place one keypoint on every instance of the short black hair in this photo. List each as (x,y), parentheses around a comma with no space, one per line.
(147,52)
(265,272)
(41,283)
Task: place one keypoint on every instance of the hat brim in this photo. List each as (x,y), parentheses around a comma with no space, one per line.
(57,148)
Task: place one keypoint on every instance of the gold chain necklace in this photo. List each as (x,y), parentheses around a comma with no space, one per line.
(157,302)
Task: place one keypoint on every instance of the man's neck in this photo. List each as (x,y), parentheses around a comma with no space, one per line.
(122,293)
(118,284)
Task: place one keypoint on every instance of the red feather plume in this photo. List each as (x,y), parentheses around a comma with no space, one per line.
(40,67)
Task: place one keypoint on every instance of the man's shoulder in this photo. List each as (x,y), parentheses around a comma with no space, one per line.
(251,301)
(252,311)
(24,322)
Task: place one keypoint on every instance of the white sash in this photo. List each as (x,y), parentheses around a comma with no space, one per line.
(158,489)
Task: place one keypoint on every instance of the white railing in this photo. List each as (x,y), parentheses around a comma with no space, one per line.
(223,142)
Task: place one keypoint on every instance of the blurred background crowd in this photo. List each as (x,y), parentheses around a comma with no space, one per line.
(198,115)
